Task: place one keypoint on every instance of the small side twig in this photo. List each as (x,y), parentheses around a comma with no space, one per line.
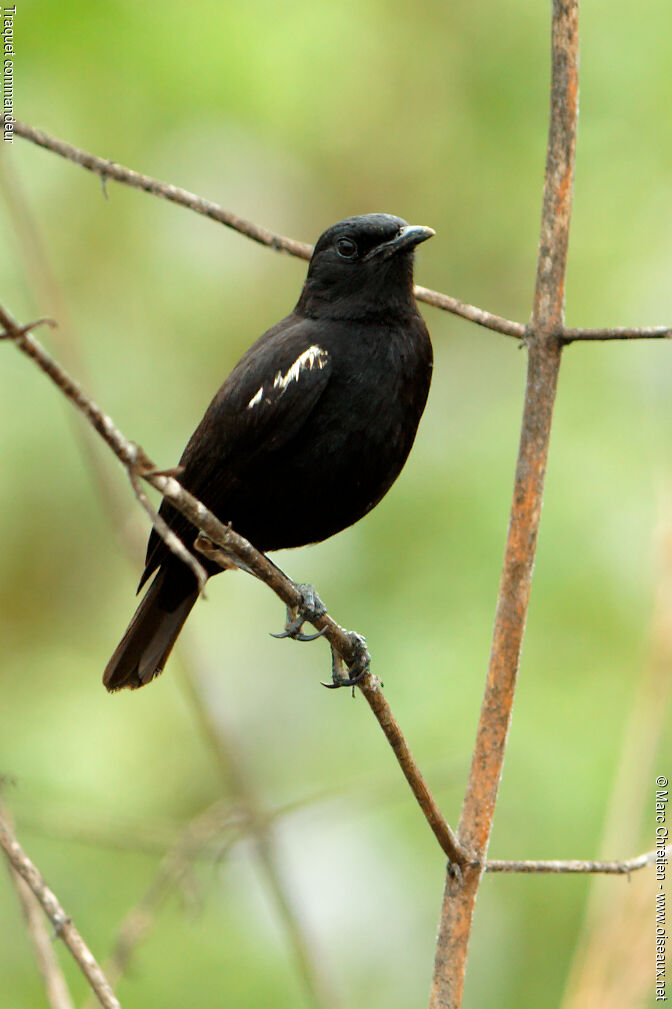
(570,335)
(623,868)
(63,925)
(166,533)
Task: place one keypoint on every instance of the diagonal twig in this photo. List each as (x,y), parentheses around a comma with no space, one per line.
(111,170)
(129,177)
(351,647)
(63,925)
(55,985)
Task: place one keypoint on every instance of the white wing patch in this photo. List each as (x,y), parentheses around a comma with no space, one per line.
(256,398)
(314,357)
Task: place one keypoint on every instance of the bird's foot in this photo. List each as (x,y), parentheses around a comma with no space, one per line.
(309,608)
(356,670)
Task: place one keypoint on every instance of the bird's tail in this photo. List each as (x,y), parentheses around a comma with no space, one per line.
(142,652)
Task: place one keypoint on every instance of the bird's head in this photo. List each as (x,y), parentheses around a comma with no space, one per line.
(362,267)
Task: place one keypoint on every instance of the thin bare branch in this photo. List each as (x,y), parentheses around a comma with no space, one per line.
(110,170)
(303,250)
(470,312)
(577,865)
(450,844)
(544,351)
(351,647)
(63,924)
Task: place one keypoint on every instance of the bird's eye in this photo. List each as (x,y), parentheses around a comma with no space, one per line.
(346,248)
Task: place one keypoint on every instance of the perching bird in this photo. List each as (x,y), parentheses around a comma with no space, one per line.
(309,431)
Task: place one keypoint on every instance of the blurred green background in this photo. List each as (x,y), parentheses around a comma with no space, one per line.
(296,115)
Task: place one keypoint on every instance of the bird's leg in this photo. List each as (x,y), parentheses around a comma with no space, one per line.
(310,607)
(356,671)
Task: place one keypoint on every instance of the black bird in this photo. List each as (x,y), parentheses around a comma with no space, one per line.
(309,431)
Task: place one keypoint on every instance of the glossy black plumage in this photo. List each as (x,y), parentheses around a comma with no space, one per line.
(310,429)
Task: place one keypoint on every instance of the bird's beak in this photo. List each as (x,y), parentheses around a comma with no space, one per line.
(405,239)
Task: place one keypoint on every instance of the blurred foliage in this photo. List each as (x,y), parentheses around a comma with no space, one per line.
(294,116)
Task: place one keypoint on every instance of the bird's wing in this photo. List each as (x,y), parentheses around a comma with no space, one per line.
(264,402)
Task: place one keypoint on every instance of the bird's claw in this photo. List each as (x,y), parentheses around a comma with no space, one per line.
(292,630)
(355,672)
(310,607)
